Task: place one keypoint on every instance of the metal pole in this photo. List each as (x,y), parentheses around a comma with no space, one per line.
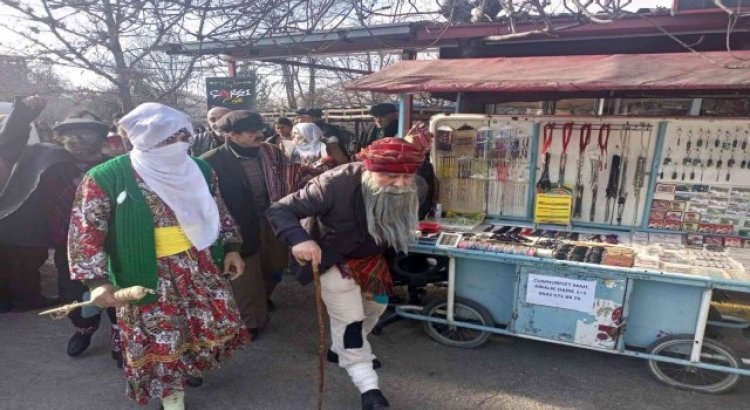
(404,111)
(700,327)
(451,288)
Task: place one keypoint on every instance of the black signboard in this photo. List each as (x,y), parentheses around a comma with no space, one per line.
(237,93)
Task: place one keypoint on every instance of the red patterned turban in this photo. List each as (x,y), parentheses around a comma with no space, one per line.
(394,155)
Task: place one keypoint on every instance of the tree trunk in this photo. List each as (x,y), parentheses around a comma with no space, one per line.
(311,85)
(291,101)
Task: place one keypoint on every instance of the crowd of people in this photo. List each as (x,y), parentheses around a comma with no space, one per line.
(210,221)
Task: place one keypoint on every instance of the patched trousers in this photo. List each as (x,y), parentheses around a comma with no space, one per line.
(352,316)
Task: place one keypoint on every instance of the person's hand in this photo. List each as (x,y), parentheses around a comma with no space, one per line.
(104,297)
(35,102)
(234,265)
(307,251)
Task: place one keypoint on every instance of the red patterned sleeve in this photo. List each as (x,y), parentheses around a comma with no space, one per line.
(89,222)
(230,231)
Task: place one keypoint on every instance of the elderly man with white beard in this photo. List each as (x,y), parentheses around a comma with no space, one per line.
(354,213)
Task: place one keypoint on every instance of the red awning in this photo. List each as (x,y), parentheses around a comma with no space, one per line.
(565,74)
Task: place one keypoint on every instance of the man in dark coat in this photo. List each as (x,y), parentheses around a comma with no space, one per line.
(35,211)
(252,175)
(354,213)
(385,125)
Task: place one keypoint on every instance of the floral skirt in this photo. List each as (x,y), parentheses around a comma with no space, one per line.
(193,326)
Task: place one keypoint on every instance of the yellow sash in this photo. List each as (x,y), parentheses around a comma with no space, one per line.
(170,240)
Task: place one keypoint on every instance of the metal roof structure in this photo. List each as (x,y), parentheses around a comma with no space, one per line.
(339,41)
(636,33)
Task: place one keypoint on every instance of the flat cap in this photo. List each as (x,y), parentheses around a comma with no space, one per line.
(241,121)
(70,124)
(380,110)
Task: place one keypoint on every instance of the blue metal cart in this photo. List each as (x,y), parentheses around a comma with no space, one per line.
(660,317)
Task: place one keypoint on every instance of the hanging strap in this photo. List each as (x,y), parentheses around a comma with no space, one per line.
(584,138)
(549,129)
(567,134)
(604,131)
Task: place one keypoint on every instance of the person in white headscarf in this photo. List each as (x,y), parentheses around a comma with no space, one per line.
(155,218)
(314,153)
(308,147)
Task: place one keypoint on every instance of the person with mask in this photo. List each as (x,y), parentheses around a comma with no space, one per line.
(352,215)
(155,218)
(252,175)
(212,137)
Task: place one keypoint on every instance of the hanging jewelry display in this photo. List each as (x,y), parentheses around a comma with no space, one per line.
(583,141)
(544,184)
(640,173)
(596,163)
(612,188)
(604,131)
(622,194)
(719,163)
(567,134)
(508,175)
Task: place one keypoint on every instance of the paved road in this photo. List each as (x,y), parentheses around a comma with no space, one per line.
(279,372)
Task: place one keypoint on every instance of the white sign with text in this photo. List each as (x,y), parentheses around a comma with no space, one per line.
(561,292)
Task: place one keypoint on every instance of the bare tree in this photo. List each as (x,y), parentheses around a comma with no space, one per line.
(120,41)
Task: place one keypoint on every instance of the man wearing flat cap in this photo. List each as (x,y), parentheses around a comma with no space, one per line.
(385,116)
(253,174)
(34,216)
(352,215)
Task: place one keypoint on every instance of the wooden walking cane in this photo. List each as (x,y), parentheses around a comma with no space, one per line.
(321,335)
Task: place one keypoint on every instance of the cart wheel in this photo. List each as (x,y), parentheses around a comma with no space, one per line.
(694,378)
(454,336)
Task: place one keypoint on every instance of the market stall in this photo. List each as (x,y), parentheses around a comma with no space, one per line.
(604,232)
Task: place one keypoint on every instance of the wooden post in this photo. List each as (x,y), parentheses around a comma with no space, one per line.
(232,65)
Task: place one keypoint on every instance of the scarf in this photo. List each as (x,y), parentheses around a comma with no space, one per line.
(309,148)
(169,171)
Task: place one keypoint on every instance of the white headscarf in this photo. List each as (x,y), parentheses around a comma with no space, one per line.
(309,146)
(170,172)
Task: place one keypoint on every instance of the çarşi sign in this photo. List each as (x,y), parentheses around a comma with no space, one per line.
(237,93)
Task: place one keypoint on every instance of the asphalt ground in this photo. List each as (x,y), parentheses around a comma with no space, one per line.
(279,371)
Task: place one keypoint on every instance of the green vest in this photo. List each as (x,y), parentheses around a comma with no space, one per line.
(130,243)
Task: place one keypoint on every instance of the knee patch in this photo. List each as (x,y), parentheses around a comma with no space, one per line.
(353,336)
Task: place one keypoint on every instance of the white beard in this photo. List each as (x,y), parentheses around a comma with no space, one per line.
(392,213)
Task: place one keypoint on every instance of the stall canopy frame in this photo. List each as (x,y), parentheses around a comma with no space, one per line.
(521,78)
